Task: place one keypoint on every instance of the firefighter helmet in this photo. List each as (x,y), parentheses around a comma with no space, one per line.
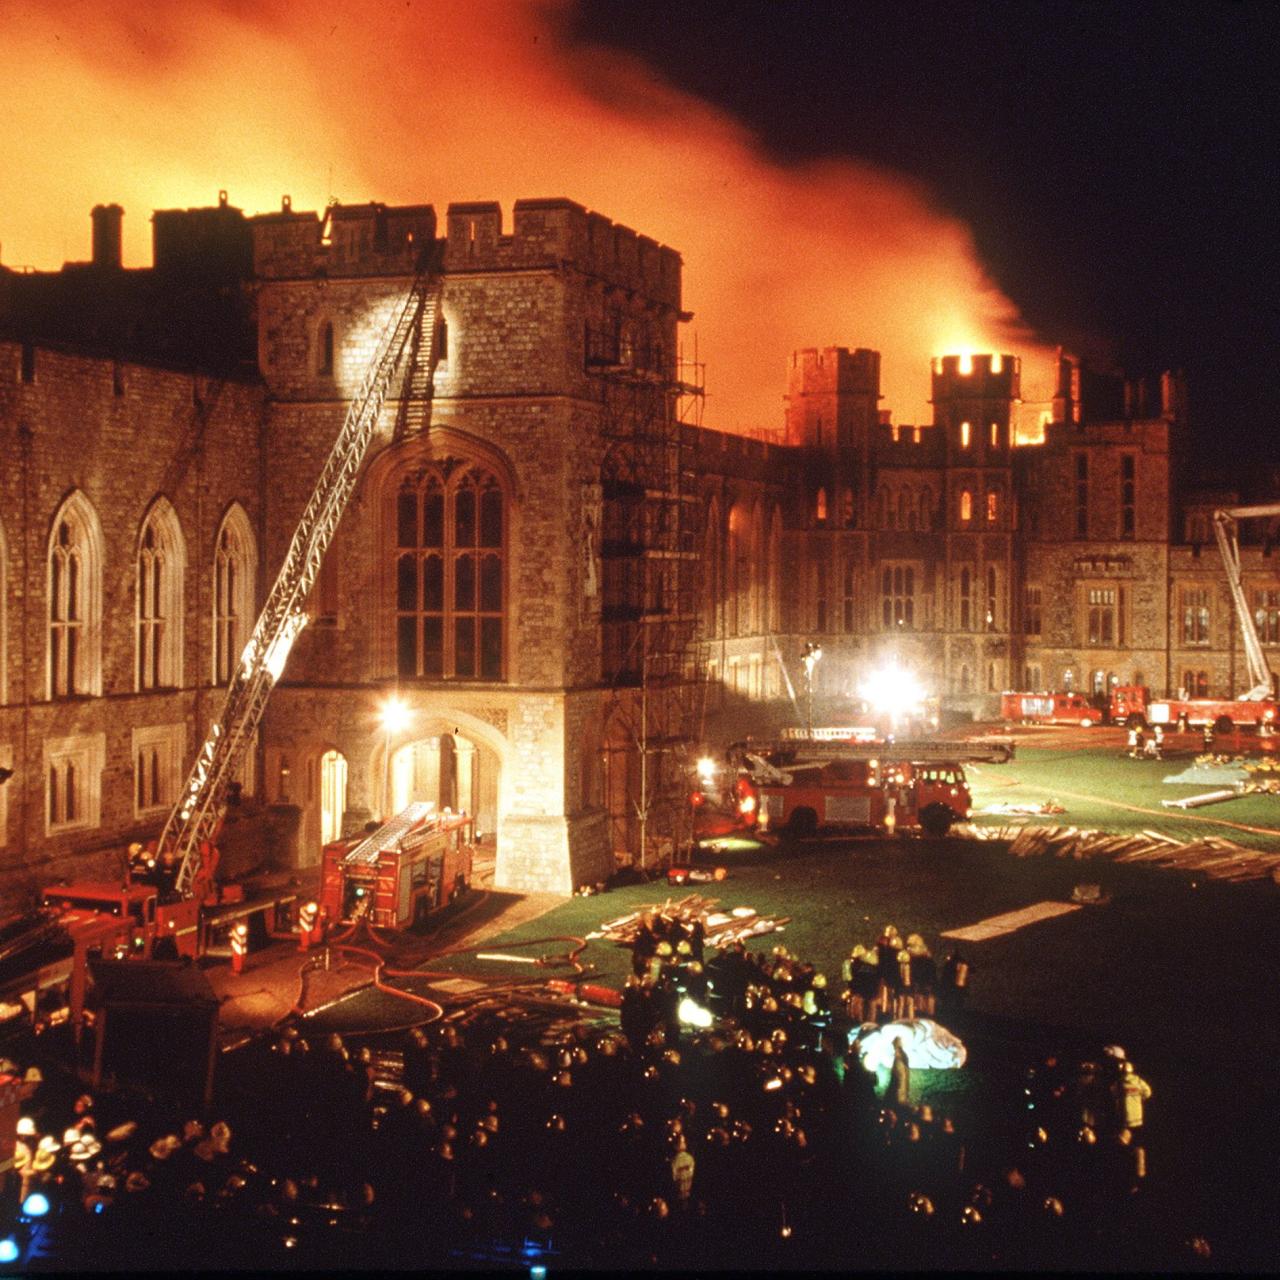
(820,980)
(683,948)
(920,1204)
(663,948)
(1052,1206)
(26,1127)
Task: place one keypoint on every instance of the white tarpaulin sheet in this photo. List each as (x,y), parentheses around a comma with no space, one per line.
(1010,921)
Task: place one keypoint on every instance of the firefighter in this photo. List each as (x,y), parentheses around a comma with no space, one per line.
(1130,1091)
(904,1000)
(239,946)
(1155,744)
(682,1167)
(308,917)
(955,982)
(900,1076)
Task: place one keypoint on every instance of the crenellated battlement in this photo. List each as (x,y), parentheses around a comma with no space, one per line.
(987,376)
(834,369)
(377,239)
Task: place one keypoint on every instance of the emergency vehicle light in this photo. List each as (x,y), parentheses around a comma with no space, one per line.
(9,1251)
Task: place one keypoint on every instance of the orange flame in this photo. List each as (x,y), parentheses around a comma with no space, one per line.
(154,105)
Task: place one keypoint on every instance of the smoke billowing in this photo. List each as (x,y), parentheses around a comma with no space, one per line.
(156,105)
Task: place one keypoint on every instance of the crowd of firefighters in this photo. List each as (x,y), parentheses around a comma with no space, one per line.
(756,1135)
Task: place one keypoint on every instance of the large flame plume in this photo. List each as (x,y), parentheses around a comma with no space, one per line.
(156,105)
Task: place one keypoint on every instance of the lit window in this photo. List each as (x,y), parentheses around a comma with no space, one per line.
(966,433)
(993,506)
(820,507)
(966,506)
(450,530)
(995,435)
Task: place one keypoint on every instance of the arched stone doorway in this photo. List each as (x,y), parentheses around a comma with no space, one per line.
(450,770)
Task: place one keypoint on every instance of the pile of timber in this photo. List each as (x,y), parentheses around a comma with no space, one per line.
(721,927)
(1211,856)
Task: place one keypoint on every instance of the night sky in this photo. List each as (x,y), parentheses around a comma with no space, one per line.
(1117,163)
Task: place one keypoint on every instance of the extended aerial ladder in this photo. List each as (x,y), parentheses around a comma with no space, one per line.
(188,840)
(1262,679)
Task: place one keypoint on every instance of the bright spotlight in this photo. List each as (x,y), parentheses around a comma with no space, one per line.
(707,770)
(893,690)
(394,714)
(9,1250)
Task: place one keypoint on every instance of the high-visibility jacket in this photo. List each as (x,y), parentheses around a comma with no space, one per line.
(682,1173)
(240,940)
(1132,1091)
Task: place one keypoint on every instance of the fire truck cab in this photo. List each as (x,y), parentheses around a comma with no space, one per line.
(145,922)
(412,865)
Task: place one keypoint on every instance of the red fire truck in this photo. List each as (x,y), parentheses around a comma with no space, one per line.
(412,865)
(859,794)
(1049,708)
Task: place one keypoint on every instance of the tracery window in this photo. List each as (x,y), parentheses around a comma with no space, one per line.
(450,539)
(75,601)
(233,565)
(159,600)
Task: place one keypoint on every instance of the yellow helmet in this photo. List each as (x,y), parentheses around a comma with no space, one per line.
(820,980)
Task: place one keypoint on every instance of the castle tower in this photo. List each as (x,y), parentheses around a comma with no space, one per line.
(973,406)
(832,408)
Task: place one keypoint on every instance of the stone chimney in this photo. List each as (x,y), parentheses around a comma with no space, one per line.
(106,236)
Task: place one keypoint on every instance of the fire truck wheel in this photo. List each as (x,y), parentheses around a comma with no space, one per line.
(165,949)
(803,822)
(936,819)
(1223,724)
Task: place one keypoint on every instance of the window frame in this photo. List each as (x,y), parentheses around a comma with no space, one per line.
(451,478)
(78,761)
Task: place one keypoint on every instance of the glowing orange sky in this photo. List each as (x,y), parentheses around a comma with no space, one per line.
(159,105)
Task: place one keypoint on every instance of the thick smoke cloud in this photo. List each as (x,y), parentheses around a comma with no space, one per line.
(160,105)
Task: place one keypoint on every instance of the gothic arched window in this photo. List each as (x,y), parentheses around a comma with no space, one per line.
(75,601)
(450,588)
(233,574)
(161,561)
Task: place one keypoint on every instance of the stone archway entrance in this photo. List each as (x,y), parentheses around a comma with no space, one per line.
(450,770)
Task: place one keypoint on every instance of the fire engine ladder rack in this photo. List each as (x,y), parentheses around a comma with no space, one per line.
(196,819)
(1261,679)
(390,834)
(904,750)
(650,554)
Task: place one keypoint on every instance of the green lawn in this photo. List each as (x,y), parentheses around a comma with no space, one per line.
(1069,776)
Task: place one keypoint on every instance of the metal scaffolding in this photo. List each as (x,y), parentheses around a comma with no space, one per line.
(651,555)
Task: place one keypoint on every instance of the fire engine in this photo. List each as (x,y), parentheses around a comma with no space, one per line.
(1258,707)
(401,873)
(1049,708)
(177,907)
(827,784)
